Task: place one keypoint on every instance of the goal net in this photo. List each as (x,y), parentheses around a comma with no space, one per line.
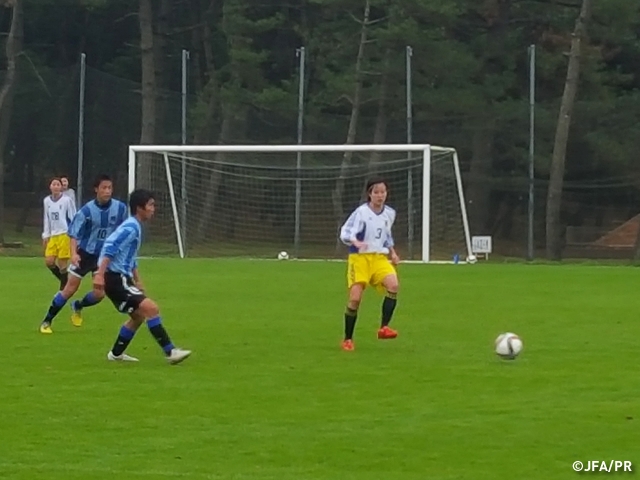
(256,201)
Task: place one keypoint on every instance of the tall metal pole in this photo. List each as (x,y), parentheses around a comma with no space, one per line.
(183,179)
(83,76)
(410,222)
(532,104)
(300,53)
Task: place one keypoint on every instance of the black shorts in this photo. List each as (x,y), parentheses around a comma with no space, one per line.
(123,292)
(88,264)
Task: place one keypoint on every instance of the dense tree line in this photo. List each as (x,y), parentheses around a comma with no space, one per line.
(470,84)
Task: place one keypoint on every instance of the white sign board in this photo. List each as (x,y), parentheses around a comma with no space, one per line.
(481,244)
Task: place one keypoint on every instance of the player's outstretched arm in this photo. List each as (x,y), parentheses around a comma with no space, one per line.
(98,278)
(123,212)
(71,208)
(46,225)
(75,256)
(124,237)
(77,223)
(390,244)
(389,241)
(136,278)
(393,256)
(109,251)
(76,227)
(350,229)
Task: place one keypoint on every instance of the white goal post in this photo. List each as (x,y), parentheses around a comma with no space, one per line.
(433,202)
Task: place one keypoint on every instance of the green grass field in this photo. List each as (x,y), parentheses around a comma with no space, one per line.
(268,394)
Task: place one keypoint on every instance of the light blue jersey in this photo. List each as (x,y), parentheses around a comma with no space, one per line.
(95,222)
(121,247)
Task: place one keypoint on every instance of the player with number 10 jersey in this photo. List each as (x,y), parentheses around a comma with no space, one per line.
(91,226)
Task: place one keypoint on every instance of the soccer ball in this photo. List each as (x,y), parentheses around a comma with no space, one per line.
(472,259)
(283,255)
(508,345)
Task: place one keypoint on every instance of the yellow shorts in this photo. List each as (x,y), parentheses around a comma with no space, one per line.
(369,269)
(58,246)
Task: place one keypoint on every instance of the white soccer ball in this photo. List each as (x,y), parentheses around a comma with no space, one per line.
(472,259)
(508,345)
(283,255)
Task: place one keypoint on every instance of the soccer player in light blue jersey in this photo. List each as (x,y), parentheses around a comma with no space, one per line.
(90,227)
(118,276)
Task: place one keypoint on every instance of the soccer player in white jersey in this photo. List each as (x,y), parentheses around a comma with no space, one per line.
(66,190)
(372,259)
(58,213)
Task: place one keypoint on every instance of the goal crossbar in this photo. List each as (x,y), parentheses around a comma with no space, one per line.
(426,150)
(287,148)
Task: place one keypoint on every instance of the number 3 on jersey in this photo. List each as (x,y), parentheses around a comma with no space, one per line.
(378,233)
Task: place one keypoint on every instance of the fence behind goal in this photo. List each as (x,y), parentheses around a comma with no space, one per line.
(256,204)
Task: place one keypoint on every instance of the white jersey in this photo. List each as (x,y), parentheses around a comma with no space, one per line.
(57,215)
(374,229)
(71,194)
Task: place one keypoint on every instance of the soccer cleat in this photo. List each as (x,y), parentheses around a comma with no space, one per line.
(348,345)
(45,328)
(177,355)
(386,333)
(121,358)
(76,314)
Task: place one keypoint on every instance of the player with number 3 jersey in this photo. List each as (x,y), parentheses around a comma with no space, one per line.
(372,258)
(90,227)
